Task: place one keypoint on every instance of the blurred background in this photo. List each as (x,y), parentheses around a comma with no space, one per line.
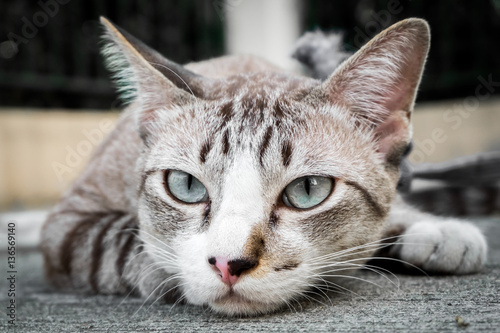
(57,101)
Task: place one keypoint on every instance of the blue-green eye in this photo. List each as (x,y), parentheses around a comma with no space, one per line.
(185,187)
(307,192)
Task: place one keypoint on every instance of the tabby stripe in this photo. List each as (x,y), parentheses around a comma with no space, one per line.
(260,105)
(273,219)
(279,111)
(286,153)
(379,210)
(287,267)
(130,223)
(265,143)
(225,142)
(226,112)
(159,203)
(205,149)
(70,240)
(123,254)
(144,177)
(97,251)
(206,213)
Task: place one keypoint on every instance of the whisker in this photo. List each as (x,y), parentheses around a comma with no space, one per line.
(177,276)
(379,244)
(311,299)
(375,269)
(403,262)
(341,287)
(325,285)
(160,285)
(179,299)
(155,238)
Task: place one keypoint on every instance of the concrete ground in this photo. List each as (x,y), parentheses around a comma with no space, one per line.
(417,304)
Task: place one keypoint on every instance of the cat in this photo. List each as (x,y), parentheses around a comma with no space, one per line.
(233,184)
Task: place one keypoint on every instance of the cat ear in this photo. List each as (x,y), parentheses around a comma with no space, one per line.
(378,84)
(144,76)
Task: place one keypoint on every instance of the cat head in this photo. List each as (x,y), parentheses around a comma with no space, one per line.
(259,185)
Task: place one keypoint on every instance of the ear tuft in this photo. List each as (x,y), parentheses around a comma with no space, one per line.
(118,64)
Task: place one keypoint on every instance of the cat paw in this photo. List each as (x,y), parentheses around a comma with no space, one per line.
(450,247)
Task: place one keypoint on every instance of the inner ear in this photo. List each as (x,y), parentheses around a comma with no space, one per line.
(377,86)
(394,133)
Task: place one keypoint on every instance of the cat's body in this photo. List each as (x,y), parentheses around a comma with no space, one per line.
(238,236)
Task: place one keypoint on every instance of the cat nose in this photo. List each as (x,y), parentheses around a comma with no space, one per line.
(230,270)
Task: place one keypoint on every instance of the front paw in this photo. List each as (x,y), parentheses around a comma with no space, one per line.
(450,247)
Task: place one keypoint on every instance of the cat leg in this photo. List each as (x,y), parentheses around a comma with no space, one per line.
(79,247)
(99,251)
(432,243)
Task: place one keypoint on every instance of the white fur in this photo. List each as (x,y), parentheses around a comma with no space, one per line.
(241,209)
(450,246)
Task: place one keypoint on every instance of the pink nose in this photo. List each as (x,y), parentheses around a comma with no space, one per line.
(230,270)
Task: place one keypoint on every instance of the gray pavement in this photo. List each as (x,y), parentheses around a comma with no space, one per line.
(418,304)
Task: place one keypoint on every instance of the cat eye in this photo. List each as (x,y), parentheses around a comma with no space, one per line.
(307,192)
(186,187)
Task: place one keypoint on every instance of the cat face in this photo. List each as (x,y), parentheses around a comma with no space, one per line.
(258,186)
(245,165)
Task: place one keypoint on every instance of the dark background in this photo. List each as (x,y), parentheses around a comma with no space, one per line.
(59,65)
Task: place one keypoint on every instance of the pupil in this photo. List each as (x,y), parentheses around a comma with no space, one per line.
(190,182)
(308,186)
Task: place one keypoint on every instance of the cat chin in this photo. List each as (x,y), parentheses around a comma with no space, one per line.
(234,305)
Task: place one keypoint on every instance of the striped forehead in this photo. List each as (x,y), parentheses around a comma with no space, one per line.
(252,124)
(252,112)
